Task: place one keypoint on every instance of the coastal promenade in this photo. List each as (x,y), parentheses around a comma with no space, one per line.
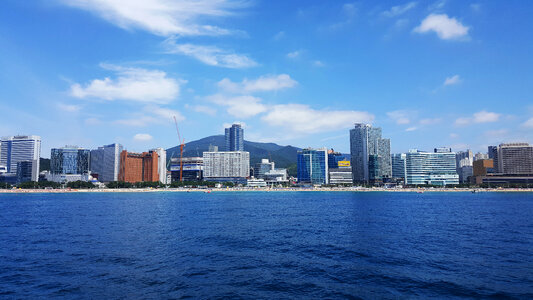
(244,189)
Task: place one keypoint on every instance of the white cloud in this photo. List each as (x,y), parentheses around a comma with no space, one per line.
(411,129)
(486,117)
(318,63)
(210,55)
(479,117)
(261,84)
(204,109)
(279,35)
(152,114)
(69,107)
(401,117)
(294,54)
(528,123)
(133,84)
(455,79)
(303,119)
(430,121)
(240,106)
(142,137)
(399,9)
(162,17)
(454,135)
(445,27)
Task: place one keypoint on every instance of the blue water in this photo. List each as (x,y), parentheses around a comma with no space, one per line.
(266,245)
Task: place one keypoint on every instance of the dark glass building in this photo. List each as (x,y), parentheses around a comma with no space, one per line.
(69,160)
(235,138)
(312,166)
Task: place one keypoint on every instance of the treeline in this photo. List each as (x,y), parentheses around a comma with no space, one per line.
(128,185)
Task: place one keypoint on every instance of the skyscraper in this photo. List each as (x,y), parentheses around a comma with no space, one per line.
(15,149)
(398,165)
(234,138)
(464,161)
(493,154)
(105,162)
(226,165)
(370,154)
(312,166)
(161,164)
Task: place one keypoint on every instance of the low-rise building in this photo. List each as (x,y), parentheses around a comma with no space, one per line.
(431,168)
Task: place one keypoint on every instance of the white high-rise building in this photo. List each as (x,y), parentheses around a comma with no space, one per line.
(435,168)
(15,149)
(161,164)
(226,164)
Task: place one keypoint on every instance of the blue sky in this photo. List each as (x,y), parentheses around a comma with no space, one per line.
(430,73)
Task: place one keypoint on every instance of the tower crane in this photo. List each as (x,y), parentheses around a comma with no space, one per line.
(181,145)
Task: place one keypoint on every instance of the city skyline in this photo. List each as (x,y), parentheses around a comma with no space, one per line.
(444,73)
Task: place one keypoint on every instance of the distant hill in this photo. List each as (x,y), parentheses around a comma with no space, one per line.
(284,156)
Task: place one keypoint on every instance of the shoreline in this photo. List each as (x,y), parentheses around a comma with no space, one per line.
(211,190)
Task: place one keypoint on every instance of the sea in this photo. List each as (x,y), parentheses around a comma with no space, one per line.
(266,245)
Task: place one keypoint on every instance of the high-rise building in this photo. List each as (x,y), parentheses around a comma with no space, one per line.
(335,157)
(234,138)
(463,162)
(260,169)
(161,164)
(69,163)
(105,162)
(312,166)
(493,154)
(26,170)
(226,165)
(515,158)
(480,156)
(15,149)
(435,168)
(398,165)
(370,154)
(138,167)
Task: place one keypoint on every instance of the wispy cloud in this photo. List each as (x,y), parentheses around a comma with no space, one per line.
(133,84)
(151,114)
(445,27)
(528,123)
(239,106)
(455,79)
(294,54)
(400,117)
(399,9)
(163,17)
(303,119)
(70,108)
(479,117)
(261,84)
(142,137)
(210,55)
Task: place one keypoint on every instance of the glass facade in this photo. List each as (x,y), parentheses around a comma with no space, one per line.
(234,138)
(312,166)
(15,149)
(366,141)
(431,168)
(398,165)
(69,160)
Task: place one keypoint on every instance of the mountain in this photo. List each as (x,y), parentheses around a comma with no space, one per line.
(284,156)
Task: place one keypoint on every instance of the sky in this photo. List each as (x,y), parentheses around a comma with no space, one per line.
(429,73)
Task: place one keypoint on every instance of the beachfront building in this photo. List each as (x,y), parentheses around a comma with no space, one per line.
(193,169)
(231,166)
(105,162)
(161,164)
(464,161)
(312,166)
(433,168)
(515,158)
(398,166)
(15,149)
(69,163)
(370,154)
(261,168)
(138,167)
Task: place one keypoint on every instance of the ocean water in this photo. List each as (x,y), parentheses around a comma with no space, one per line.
(266,245)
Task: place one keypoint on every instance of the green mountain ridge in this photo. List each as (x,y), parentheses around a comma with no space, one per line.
(283,156)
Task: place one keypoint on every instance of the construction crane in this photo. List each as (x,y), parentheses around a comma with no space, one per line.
(181,144)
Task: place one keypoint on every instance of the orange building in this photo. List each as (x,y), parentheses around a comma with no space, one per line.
(137,167)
